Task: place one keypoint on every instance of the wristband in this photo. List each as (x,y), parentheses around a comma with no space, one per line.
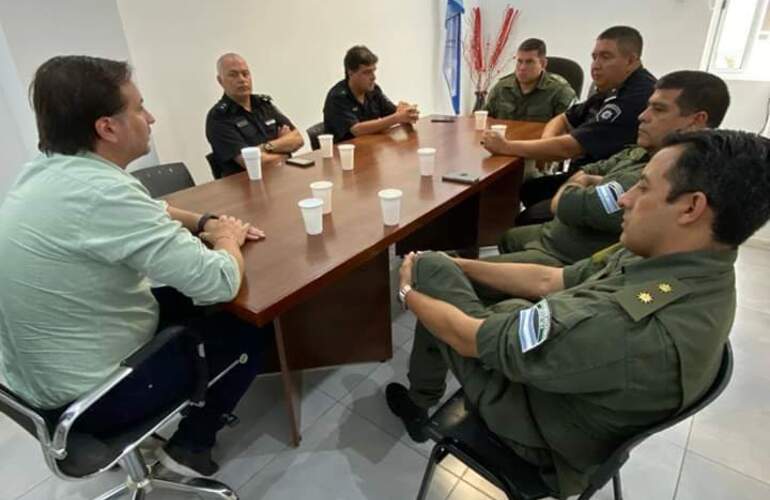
(203,220)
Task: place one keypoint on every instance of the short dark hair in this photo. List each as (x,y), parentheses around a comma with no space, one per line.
(358,56)
(629,40)
(700,91)
(69,93)
(732,169)
(531,44)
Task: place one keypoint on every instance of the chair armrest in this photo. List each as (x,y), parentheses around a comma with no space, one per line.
(127,366)
(158,342)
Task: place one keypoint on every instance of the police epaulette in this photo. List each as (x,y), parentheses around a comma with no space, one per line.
(644,299)
(263,97)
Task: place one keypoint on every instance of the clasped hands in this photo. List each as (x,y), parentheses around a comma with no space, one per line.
(407,113)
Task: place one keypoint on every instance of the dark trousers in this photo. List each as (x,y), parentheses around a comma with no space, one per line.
(536,195)
(169,375)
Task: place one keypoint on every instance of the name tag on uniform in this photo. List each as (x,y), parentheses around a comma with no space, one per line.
(609,194)
(242,123)
(534,325)
(270,122)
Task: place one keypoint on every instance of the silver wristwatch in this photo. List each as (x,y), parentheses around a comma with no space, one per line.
(402,293)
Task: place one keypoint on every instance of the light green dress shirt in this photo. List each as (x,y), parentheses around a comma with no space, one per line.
(80,240)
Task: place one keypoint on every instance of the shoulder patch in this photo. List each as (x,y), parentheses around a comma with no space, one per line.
(609,194)
(222,107)
(642,300)
(603,255)
(608,113)
(555,79)
(637,153)
(534,325)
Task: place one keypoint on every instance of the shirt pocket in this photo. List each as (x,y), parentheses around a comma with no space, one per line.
(248,131)
(271,128)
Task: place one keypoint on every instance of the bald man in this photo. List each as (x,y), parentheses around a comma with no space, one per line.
(241,119)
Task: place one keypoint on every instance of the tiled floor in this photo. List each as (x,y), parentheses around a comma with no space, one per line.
(354,449)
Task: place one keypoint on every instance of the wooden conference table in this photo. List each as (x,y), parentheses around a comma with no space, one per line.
(328,296)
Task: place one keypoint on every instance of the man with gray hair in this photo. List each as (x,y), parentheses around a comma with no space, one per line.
(241,119)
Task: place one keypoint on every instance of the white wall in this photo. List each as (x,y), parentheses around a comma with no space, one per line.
(13,152)
(674,31)
(295,50)
(33,31)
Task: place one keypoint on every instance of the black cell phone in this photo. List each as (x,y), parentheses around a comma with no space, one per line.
(461,177)
(443,118)
(300,162)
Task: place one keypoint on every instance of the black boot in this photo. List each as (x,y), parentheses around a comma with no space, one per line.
(403,407)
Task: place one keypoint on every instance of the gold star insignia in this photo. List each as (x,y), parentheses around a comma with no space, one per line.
(644,297)
(665,288)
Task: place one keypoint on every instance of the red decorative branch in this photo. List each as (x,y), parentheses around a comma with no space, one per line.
(486,62)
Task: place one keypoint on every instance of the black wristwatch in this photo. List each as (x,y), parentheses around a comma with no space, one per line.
(203,220)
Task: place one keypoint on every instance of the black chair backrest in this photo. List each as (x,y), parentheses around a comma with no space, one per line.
(9,405)
(313,133)
(216,168)
(621,454)
(161,180)
(569,69)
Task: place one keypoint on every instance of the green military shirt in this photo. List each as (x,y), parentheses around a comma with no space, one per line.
(586,219)
(552,96)
(622,347)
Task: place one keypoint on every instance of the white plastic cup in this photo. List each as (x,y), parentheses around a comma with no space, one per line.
(427,160)
(252,157)
(326,141)
(390,202)
(312,214)
(481,119)
(500,129)
(347,153)
(323,191)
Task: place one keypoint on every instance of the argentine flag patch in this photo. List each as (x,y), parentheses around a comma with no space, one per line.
(534,325)
(609,194)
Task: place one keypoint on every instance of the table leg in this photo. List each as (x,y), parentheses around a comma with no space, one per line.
(291,388)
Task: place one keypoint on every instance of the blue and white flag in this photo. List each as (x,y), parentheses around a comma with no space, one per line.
(452,47)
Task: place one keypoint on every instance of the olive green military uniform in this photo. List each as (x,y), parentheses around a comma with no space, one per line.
(626,344)
(586,219)
(552,96)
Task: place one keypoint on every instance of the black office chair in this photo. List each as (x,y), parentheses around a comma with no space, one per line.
(70,454)
(161,180)
(313,133)
(216,168)
(570,70)
(460,432)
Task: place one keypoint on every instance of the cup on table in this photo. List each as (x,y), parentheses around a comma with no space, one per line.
(427,160)
(500,129)
(481,119)
(322,190)
(347,152)
(390,202)
(252,157)
(312,214)
(326,141)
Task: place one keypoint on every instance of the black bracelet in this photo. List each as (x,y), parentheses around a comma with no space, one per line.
(203,220)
